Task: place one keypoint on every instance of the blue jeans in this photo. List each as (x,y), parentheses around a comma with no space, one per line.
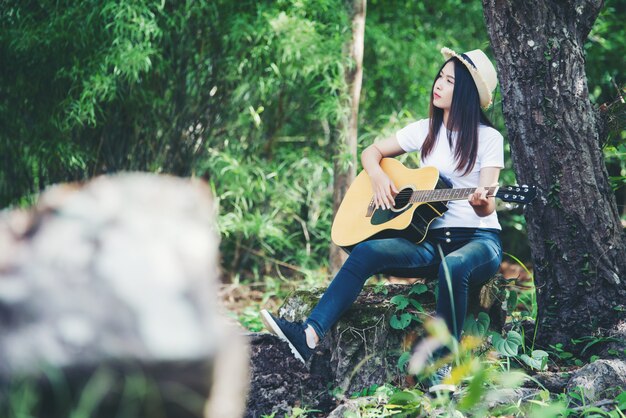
(472,256)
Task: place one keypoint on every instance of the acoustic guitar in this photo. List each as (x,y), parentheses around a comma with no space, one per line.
(422,197)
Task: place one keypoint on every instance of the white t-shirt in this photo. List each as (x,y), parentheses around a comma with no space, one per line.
(490,154)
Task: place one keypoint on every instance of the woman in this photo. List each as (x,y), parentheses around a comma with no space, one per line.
(460,141)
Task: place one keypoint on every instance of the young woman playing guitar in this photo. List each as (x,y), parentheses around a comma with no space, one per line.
(463,145)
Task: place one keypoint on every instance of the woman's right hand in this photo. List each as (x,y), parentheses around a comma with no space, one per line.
(384,190)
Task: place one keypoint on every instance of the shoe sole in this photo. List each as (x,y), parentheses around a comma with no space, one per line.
(273,327)
(442,388)
(265,316)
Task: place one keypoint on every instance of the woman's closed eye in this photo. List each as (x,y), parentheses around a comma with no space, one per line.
(448,79)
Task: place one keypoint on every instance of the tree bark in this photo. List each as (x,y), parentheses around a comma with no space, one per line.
(345,151)
(576,237)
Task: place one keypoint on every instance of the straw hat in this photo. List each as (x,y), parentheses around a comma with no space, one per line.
(482,70)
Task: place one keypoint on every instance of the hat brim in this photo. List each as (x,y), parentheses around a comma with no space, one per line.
(484,93)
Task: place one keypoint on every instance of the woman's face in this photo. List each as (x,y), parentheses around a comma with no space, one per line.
(444,87)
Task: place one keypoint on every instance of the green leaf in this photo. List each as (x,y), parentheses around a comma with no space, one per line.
(400,322)
(477,326)
(418,289)
(511,301)
(404,398)
(474,391)
(552,410)
(538,360)
(508,346)
(403,360)
(621,401)
(400,301)
(417,305)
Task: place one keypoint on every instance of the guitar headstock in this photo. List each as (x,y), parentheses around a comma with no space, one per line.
(518,194)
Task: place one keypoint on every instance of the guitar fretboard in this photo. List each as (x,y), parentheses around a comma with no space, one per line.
(442,195)
(407,196)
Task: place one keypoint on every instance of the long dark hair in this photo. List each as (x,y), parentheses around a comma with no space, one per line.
(464,118)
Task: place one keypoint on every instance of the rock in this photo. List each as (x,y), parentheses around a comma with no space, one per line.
(602,379)
(108,288)
(616,345)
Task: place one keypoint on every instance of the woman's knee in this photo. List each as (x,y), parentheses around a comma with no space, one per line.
(454,269)
(453,265)
(362,260)
(370,249)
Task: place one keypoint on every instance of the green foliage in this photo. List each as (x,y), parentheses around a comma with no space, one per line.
(509,345)
(561,353)
(271,210)
(481,376)
(407,308)
(248,95)
(477,326)
(98,87)
(537,360)
(368,391)
(128,394)
(590,341)
(605,52)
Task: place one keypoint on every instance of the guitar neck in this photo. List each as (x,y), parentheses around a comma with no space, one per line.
(442,195)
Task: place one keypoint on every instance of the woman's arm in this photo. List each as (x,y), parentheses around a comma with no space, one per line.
(484,206)
(383,187)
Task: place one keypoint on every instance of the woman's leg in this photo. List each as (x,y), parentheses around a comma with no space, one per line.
(471,265)
(365,260)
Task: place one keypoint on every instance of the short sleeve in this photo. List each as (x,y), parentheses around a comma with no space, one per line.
(492,152)
(411,137)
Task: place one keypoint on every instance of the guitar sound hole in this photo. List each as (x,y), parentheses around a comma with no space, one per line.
(402,199)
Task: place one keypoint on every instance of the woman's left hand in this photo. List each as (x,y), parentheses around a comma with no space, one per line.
(482,204)
(479,197)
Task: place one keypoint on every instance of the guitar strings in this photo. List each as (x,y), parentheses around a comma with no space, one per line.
(403,197)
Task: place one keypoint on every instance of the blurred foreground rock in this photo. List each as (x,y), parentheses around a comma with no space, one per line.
(360,351)
(108,306)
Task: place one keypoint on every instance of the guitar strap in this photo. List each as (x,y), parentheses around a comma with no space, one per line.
(445,180)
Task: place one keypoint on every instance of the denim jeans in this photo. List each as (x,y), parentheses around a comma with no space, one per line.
(472,256)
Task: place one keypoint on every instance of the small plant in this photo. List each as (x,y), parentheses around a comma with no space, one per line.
(477,326)
(380,288)
(407,308)
(250,319)
(297,412)
(565,356)
(368,391)
(591,341)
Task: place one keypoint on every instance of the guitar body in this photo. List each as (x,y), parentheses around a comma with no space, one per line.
(355,222)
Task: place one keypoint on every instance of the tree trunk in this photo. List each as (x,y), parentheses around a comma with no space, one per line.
(574,229)
(345,151)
